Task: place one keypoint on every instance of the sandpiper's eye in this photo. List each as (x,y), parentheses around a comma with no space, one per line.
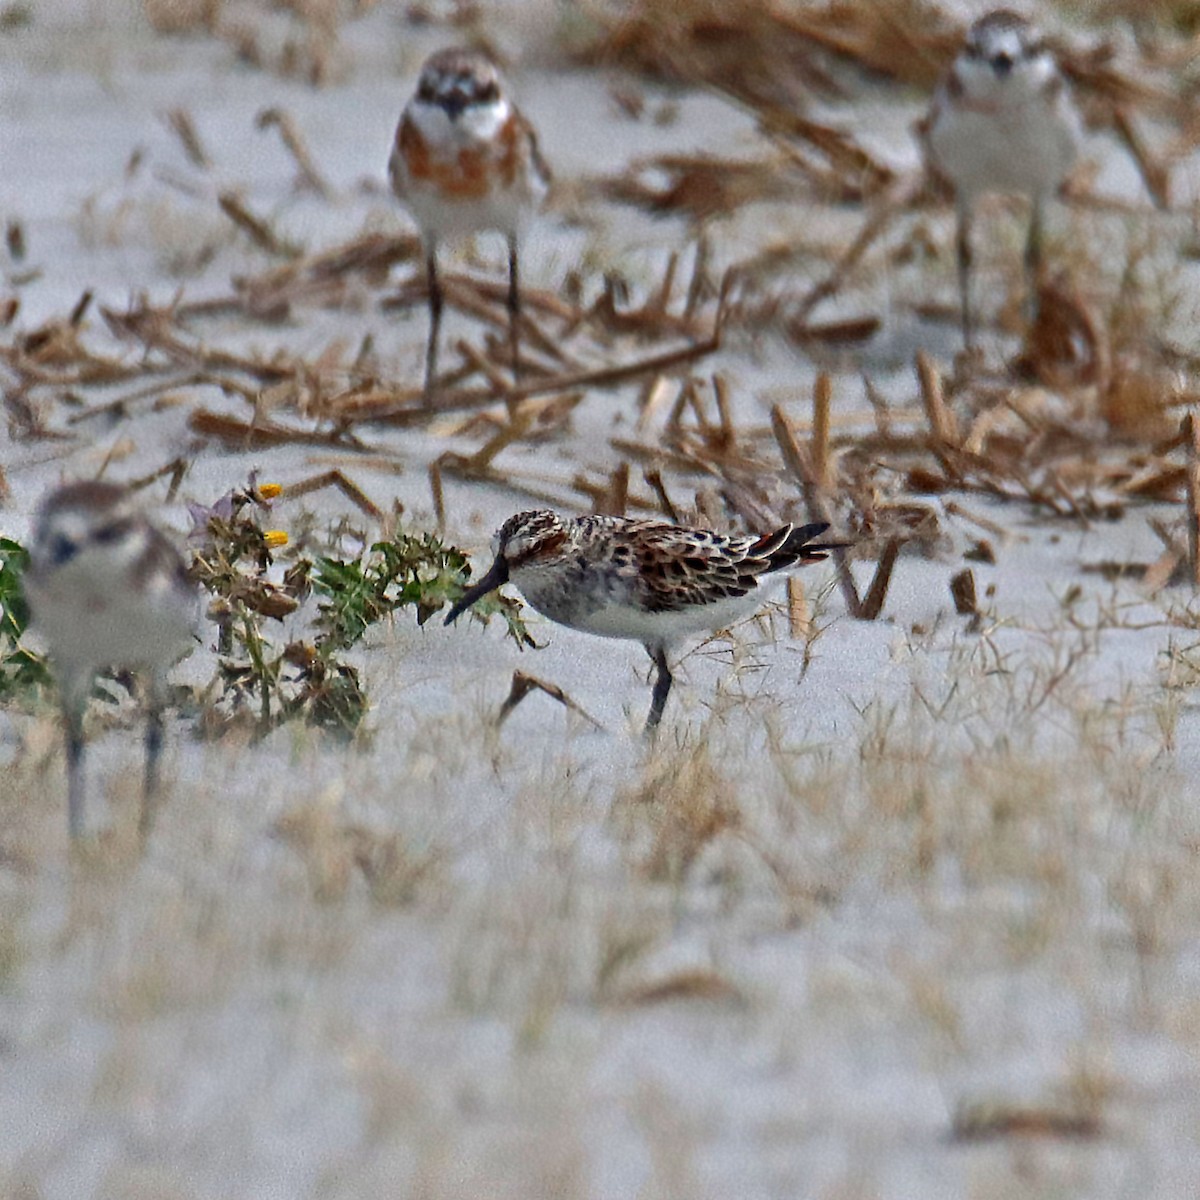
(106,535)
(62,549)
(426,91)
(489,92)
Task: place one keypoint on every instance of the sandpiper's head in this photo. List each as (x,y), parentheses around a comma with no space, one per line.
(83,517)
(528,539)
(1004,44)
(459,81)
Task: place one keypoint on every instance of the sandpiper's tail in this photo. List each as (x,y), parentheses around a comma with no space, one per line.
(787,546)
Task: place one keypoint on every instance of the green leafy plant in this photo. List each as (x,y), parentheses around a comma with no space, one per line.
(415,571)
(307,678)
(21,671)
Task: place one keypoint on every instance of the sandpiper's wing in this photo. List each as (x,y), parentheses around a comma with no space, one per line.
(672,568)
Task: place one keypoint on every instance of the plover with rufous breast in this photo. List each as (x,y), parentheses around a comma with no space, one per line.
(465,160)
(1002,120)
(106,588)
(647,581)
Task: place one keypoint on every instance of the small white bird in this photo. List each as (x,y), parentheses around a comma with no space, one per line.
(107,589)
(1002,120)
(464,161)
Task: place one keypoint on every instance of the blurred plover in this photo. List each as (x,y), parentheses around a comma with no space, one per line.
(1002,120)
(107,589)
(648,581)
(465,160)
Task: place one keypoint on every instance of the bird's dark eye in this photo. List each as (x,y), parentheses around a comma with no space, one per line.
(106,535)
(489,92)
(426,91)
(62,549)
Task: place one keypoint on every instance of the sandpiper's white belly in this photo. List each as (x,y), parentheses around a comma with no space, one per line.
(1027,147)
(613,618)
(92,618)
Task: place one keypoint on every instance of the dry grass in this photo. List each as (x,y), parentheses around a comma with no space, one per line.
(1021,831)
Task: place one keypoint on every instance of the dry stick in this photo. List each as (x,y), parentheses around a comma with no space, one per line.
(1165,567)
(479,464)
(1191,429)
(654,396)
(259,232)
(661,303)
(822,394)
(655,480)
(245,435)
(523,684)
(834,333)
(515,428)
(80,310)
(336,479)
(728,435)
(617,500)
(176,469)
(1165,535)
(479,362)
(954,509)
(143,393)
(800,622)
(680,458)
(601,377)
(699,282)
(942,426)
(962,589)
(793,458)
(437,491)
(309,175)
(873,600)
(600,495)
(532,332)
(941,420)
(180,122)
(550,303)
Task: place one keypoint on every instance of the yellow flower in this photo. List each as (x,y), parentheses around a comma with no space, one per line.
(275,538)
(268,491)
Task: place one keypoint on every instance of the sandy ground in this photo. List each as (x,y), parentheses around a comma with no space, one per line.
(871,893)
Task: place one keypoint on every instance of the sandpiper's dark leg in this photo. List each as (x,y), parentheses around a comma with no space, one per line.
(154,745)
(73,724)
(662,686)
(514,307)
(963,250)
(435,317)
(1033,260)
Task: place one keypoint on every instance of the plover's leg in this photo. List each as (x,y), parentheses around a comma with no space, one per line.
(662,686)
(514,307)
(155,699)
(74,688)
(962,245)
(435,317)
(1033,260)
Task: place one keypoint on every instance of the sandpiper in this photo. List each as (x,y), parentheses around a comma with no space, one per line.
(106,588)
(465,160)
(644,580)
(1002,120)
